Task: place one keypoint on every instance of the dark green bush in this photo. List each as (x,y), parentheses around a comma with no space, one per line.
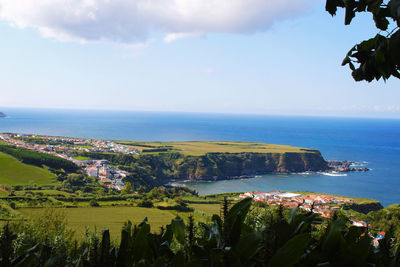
(94,203)
(145,203)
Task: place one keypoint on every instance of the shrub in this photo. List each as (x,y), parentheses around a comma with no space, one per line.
(94,203)
(145,204)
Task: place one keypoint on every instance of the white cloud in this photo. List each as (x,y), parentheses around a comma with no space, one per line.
(130,21)
(170,37)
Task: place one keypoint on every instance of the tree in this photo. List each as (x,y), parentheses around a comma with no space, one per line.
(128,188)
(378,57)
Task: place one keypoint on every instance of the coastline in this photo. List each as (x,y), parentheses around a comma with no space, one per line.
(353,139)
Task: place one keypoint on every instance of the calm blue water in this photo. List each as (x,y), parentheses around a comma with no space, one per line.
(376,141)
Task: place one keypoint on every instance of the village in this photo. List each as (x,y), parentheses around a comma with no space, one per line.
(325,205)
(61,147)
(322,204)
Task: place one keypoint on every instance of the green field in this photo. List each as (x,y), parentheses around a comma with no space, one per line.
(13,172)
(208,209)
(81,158)
(111,218)
(198,148)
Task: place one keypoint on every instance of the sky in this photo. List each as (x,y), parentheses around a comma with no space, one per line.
(216,56)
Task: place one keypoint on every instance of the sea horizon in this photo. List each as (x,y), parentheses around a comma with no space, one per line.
(338,116)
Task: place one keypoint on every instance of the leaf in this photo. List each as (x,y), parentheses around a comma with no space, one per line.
(105,248)
(394,44)
(239,210)
(361,5)
(331,7)
(168,234)
(28,260)
(178,228)
(381,21)
(394,7)
(125,248)
(345,61)
(290,253)
(249,245)
(293,214)
(141,248)
(334,238)
(350,12)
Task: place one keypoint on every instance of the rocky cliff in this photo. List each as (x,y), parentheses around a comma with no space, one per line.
(217,166)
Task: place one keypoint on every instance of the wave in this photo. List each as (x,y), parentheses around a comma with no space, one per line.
(333,174)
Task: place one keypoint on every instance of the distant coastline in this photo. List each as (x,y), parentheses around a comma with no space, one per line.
(2,115)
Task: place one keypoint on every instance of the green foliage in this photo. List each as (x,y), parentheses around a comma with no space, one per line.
(48,229)
(378,57)
(385,219)
(284,240)
(128,188)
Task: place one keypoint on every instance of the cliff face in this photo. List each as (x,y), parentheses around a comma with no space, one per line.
(216,166)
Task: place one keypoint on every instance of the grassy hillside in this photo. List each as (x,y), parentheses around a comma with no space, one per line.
(199,148)
(13,172)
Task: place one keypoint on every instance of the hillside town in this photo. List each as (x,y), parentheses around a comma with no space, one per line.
(322,204)
(325,205)
(64,147)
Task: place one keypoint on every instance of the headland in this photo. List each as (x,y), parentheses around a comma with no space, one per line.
(153,164)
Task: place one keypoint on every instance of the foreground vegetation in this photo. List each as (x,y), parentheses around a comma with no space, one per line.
(243,235)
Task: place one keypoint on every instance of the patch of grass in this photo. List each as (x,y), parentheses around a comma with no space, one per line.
(14,172)
(208,209)
(81,158)
(198,148)
(112,218)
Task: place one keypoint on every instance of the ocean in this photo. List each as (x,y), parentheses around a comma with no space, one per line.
(374,143)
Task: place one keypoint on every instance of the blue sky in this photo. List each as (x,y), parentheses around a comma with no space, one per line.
(286,62)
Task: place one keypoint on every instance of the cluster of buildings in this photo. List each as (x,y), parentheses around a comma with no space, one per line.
(110,176)
(324,205)
(107,174)
(67,144)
